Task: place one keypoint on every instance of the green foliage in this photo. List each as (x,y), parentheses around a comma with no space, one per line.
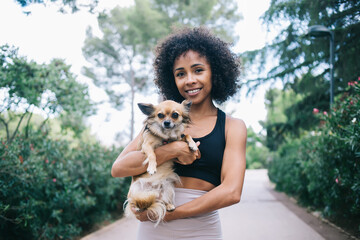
(323,168)
(281,122)
(49,190)
(285,169)
(49,88)
(65,5)
(257,155)
(219,15)
(121,54)
(302,63)
(121,58)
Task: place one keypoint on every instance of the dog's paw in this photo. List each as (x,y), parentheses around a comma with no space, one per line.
(170,207)
(192,146)
(151,168)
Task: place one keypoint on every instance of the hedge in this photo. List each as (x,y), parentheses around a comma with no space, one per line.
(322,169)
(52,190)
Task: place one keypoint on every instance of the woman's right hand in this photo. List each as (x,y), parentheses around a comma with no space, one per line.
(184,155)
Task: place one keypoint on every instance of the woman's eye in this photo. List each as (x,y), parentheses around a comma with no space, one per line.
(199,70)
(180,74)
(160,115)
(175,115)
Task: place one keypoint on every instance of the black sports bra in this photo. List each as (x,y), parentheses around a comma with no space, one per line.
(212,147)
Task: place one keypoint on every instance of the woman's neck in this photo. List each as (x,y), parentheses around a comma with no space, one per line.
(202,110)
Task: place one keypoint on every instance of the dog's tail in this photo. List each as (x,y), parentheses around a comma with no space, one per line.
(148,201)
(156,212)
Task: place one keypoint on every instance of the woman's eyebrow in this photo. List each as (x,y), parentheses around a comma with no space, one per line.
(197,64)
(194,65)
(180,68)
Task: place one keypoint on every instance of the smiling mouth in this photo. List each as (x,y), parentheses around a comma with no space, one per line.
(193,91)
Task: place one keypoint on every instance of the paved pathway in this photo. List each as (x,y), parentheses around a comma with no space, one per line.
(262,214)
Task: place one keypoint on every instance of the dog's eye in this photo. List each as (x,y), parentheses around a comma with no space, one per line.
(160,115)
(175,115)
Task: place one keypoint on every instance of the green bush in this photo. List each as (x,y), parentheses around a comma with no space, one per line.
(51,190)
(285,169)
(338,158)
(322,169)
(257,157)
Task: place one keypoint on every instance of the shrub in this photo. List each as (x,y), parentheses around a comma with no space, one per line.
(257,157)
(322,169)
(286,169)
(337,170)
(49,190)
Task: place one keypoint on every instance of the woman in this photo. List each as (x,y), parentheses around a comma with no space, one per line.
(193,64)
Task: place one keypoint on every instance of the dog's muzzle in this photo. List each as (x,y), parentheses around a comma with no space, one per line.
(168,124)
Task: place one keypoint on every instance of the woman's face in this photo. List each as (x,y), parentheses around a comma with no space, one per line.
(192,75)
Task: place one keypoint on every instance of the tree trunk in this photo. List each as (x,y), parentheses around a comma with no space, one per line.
(6,128)
(27,125)
(132,104)
(17,127)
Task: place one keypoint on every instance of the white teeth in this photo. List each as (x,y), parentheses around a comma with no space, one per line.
(194,91)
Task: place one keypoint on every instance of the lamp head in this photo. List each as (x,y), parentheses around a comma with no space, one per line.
(318,31)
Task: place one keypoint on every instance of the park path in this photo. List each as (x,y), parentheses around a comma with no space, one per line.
(262,214)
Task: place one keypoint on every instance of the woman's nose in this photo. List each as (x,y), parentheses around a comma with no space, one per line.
(190,79)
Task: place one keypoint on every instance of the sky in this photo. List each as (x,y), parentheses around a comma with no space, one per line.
(46,34)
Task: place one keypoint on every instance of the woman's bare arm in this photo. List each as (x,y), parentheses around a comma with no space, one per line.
(130,161)
(232,176)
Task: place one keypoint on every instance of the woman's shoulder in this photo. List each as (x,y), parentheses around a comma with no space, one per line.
(235,126)
(235,122)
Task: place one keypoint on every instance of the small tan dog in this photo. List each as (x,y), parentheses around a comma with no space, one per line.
(154,190)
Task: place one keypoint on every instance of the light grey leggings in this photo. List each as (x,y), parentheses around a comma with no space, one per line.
(206,226)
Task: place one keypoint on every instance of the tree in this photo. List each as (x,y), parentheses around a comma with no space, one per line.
(303,63)
(257,155)
(51,88)
(74,5)
(280,123)
(123,54)
(219,15)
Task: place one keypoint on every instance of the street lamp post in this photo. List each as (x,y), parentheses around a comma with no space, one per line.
(322,31)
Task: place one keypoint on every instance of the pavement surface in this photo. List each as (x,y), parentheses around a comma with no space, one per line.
(262,214)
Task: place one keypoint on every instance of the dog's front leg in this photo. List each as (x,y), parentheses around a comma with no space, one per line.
(191,143)
(150,158)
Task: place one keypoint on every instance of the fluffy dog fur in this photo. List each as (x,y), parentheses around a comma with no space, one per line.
(154,190)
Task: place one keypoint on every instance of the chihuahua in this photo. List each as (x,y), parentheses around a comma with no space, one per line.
(154,190)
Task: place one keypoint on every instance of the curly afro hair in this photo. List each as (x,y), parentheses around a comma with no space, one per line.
(225,65)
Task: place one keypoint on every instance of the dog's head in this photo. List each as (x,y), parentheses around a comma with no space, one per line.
(168,115)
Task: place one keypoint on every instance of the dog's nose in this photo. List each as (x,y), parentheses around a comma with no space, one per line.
(167,124)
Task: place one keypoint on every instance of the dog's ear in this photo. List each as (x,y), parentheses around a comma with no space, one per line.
(187,105)
(186,113)
(146,108)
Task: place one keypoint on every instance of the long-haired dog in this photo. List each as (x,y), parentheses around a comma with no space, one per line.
(154,190)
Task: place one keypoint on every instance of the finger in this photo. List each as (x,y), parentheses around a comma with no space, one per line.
(197,143)
(141,216)
(133,210)
(198,155)
(137,216)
